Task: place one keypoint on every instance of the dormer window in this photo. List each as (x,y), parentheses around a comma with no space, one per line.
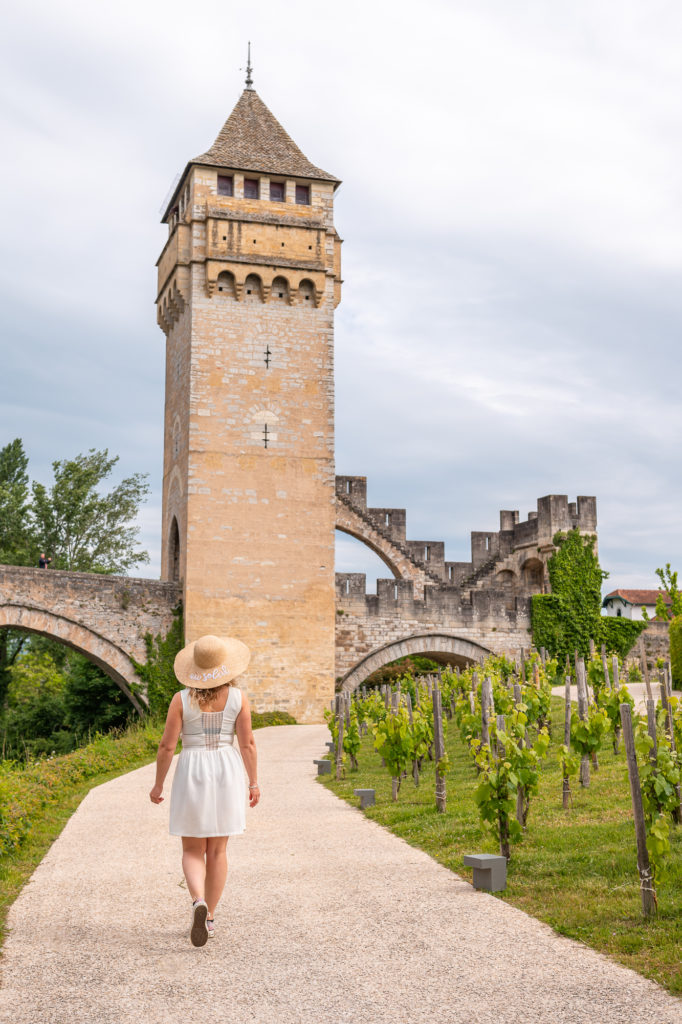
(276,191)
(225,185)
(251,188)
(303,195)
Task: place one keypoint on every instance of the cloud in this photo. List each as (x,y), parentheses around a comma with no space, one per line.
(511,314)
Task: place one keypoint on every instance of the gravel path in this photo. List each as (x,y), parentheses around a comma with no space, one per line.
(327,918)
(637,692)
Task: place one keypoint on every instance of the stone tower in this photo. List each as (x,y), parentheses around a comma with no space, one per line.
(247,285)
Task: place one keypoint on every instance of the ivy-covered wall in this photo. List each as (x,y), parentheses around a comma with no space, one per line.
(567,619)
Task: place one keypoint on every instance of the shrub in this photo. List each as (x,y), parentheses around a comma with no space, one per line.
(620,635)
(157,672)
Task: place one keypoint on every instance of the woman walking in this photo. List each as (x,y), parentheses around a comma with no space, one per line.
(207,796)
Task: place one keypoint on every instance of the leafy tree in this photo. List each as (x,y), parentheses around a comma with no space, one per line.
(34,673)
(16,542)
(675,631)
(664,611)
(11,644)
(35,706)
(83,529)
(92,701)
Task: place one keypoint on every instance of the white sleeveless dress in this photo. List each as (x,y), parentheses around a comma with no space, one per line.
(208,797)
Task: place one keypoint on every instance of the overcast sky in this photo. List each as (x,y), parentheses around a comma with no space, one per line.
(511,199)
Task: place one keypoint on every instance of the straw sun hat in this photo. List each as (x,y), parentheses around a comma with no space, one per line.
(211,661)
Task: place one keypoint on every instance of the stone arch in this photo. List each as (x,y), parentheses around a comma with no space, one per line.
(174,550)
(253,288)
(533,575)
(279,291)
(103,653)
(438,646)
(349,520)
(226,285)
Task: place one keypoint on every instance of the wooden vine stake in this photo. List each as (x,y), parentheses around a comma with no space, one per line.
(487,709)
(651,729)
(339,744)
(645,883)
(439,747)
(645,668)
(670,726)
(582,715)
(395,781)
(567,797)
(521,808)
(503,820)
(605,667)
(616,687)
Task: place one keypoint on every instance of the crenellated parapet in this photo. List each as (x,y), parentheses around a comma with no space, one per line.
(510,561)
(399,597)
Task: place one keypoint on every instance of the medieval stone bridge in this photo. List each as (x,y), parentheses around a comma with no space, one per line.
(103,617)
(454,612)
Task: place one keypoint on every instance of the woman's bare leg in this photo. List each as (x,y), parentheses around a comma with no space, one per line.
(216,870)
(194,865)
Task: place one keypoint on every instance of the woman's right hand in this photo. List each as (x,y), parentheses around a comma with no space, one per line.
(155,794)
(254,795)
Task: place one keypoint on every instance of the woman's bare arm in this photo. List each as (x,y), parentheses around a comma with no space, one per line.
(247,747)
(169,742)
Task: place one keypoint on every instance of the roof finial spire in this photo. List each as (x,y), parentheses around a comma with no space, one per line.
(249,69)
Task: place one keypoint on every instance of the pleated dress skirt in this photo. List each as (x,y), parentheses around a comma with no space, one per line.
(208,796)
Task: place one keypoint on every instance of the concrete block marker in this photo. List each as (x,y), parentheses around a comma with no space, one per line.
(330,746)
(490,871)
(323,767)
(366,797)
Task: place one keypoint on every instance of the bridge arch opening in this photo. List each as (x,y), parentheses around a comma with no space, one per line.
(439,647)
(109,658)
(366,543)
(354,554)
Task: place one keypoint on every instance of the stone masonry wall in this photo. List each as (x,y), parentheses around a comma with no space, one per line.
(365,622)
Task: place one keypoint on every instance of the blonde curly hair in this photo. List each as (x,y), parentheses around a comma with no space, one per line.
(202,697)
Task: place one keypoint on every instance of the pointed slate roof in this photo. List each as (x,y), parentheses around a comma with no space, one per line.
(252,139)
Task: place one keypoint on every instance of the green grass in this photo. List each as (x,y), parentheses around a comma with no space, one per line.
(576,870)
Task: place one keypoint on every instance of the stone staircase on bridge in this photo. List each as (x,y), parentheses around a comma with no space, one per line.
(391,524)
(511,560)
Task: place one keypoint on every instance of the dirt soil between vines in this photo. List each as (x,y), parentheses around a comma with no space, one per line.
(327,917)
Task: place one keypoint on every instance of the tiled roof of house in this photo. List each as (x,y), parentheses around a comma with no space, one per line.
(252,139)
(638,596)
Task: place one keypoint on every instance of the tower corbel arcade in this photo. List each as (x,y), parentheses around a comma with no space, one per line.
(247,286)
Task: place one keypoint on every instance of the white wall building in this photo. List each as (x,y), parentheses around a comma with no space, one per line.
(630,604)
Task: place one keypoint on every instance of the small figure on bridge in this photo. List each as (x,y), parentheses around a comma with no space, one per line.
(207,796)
(43,562)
